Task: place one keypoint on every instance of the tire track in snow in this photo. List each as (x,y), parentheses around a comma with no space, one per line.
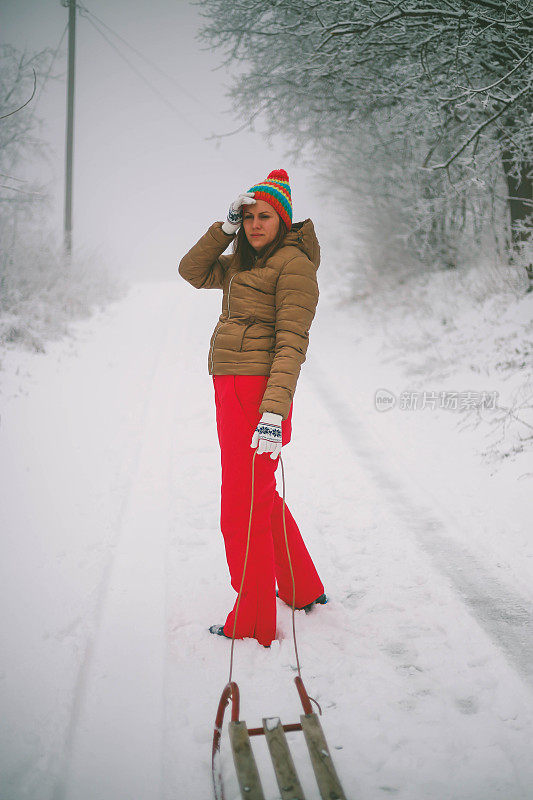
(505,616)
(82,681)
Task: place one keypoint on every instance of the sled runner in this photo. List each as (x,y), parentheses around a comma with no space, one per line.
(274,732)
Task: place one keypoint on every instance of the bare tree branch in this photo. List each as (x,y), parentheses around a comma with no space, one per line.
(481,128)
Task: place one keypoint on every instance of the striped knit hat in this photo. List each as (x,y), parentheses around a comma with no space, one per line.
(275,191)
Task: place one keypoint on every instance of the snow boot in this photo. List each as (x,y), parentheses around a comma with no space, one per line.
(219,630)
(322,600)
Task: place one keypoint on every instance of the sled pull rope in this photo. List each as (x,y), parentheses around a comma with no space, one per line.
(246,562)
(299,681)
(243,571)
(292,573)
(304,697)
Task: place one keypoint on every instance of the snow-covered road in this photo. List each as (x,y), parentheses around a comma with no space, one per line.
(505,615)
(113,567)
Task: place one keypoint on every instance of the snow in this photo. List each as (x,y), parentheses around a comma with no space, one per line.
(272,723)
(113,565)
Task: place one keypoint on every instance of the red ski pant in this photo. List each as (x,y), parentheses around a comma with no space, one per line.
(238,398)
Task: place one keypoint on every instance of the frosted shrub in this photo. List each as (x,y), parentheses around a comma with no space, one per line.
(40,292)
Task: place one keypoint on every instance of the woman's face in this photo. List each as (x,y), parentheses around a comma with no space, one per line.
(260,223)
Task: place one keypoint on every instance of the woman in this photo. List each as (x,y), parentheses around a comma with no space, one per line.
(270,294)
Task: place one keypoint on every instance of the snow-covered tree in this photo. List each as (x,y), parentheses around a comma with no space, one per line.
(20,142)
(448,84)
(38,294)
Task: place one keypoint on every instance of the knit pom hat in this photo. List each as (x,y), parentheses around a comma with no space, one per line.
(275,191)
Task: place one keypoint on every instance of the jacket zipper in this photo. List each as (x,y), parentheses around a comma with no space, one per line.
(216,329)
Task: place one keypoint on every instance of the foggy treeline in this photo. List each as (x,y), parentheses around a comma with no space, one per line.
(419,114)
(39,290)
(19,135)
(415,116)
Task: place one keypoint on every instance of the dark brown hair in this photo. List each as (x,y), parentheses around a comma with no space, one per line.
(245,256)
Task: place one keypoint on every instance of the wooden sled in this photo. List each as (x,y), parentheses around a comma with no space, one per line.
(286,775)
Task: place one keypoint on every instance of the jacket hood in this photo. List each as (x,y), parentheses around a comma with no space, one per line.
(302,235)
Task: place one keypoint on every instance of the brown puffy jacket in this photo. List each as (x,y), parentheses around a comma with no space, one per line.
(267,311)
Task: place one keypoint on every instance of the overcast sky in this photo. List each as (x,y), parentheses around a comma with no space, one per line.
(147,182)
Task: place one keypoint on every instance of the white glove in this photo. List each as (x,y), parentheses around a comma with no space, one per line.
(268,435)
(235,212)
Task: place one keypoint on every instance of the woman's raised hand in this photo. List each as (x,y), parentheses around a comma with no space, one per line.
(235,212)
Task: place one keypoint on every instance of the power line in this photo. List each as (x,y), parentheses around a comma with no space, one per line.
(140,75)
(16,110)
(141,55)
(49,70)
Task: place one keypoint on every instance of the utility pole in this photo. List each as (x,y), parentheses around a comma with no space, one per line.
(71,5)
